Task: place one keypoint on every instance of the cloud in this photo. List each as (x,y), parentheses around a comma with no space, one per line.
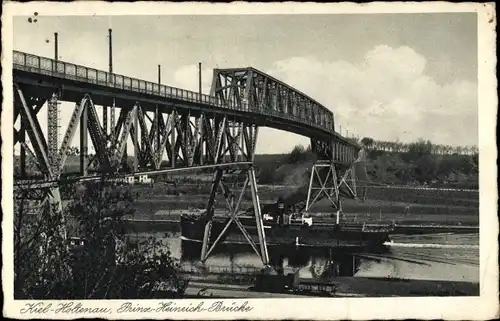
(186,77)
(387,96)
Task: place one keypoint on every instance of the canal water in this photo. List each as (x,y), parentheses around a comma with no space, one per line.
(446,256)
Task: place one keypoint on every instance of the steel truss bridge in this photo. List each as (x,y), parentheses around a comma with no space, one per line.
(171,129)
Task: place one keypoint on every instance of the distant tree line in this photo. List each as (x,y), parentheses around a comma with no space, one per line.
(415,163)
(400,147)
(421,162)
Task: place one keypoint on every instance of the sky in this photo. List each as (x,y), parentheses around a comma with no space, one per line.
(386,76)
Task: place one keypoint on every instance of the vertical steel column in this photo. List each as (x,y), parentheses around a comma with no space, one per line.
(105,120)
(172,138)
(136,139)
(22,141)
(83,141)
(157,143)
(309,190)
(113,123)
(52,118)
(258,216)
(209,213)
(353,181)
(202,156)
(53,126)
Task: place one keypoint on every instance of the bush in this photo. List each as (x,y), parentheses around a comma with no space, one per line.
(108,265)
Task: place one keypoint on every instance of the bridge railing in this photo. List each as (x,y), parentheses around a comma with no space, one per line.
(65,70)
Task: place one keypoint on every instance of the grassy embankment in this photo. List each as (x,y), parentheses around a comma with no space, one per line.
(417,166)
(287,177)
(292,171)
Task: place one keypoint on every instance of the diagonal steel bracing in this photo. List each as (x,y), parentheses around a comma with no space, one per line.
(234,211)
(34,132)
(333,175)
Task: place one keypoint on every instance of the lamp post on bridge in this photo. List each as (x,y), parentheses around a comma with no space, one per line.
(199,80)
(56,55)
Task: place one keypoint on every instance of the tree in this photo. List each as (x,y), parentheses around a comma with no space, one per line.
(41,265)
(367,142)
(297,154)
(109,264)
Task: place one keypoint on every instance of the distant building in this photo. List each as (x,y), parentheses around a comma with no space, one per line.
(131,180)
(144,179)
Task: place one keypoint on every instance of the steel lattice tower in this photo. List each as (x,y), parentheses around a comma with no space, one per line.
(53,129)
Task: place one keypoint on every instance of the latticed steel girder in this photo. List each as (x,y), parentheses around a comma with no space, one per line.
(334,174)
(245,93)
(331,181)
(258,242)
(255,91)
(45,156)
(172,139)
(164,140)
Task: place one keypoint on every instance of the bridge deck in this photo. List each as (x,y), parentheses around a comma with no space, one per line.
(76,80)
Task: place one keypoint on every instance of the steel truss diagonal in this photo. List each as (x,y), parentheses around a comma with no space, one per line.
(234,211)
(46,155)
(323,182)
(333,175)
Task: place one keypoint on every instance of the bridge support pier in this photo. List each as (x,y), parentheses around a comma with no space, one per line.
(46,157)
(323,182)
(234,212)
(331,180)
(334,174)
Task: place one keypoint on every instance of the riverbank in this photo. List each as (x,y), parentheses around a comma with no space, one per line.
(406,222)
(345,287)
(162,196)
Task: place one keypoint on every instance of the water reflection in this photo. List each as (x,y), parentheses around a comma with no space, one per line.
(408,257)
(318,263)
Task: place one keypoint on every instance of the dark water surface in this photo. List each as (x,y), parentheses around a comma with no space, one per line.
(446,256)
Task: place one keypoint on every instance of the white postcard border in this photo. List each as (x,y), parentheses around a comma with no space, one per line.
(483,307)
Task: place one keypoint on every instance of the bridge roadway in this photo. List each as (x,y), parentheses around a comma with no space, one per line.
(301,115)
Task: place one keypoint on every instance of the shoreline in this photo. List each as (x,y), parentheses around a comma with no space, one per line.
(345,287)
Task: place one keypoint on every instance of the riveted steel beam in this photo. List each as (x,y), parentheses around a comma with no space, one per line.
(70,132)
(34,132)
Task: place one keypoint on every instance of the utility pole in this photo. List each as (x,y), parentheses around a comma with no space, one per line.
(199,79)
(159,75)
(56,52)
(110,50)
